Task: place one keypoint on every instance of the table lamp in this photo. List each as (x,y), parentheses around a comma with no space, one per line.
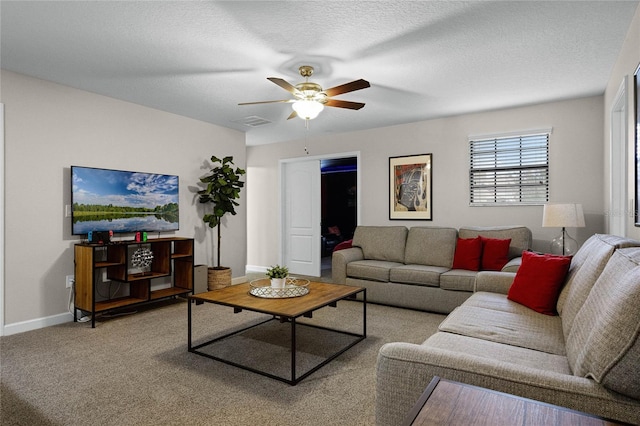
(559,215)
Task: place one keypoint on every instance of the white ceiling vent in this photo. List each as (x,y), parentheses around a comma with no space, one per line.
(253,121)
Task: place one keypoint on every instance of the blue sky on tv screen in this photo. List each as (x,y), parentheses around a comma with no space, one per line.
(122,188)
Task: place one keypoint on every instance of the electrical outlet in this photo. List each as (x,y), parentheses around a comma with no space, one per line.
(70,281)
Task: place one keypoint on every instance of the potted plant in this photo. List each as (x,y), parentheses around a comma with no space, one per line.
(278,275)
(222,189)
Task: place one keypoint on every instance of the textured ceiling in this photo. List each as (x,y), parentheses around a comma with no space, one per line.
(424,59)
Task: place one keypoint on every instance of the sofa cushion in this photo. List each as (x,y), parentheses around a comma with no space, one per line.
(376,270)
(497,302)
(538,281)
(604,342)
(430,245)
(495,253)
(468,254)
(381,242)
(586,266)
(494,281)
(524,329)
(417,274)
(499,352)
(512,265)
(458,280)
(520,236)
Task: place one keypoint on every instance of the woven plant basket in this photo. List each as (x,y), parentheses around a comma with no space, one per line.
(218,277)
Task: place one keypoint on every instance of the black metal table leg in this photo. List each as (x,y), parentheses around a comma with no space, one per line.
(293,351)
(364,313)
(189,326)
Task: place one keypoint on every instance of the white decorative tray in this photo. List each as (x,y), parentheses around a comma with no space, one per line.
(294,287)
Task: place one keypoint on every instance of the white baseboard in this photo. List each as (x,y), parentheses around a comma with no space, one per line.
(238,280)
(21,327)
(255,268)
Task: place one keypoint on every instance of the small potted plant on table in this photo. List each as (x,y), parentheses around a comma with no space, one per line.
(278,275)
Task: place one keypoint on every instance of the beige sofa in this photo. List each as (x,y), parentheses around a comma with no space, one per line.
(587,358)
(411,268)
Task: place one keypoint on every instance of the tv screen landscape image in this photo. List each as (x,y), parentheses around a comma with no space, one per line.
(123,201)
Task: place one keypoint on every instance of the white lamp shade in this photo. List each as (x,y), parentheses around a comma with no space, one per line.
(558,215)
(307,109)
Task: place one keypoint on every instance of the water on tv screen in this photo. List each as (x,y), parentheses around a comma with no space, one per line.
(122,201)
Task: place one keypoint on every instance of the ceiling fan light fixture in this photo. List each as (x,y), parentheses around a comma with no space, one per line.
(311,98)
(307,109)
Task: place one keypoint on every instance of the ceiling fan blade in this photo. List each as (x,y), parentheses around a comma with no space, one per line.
(266,102)
(347,87)
(284,84)
(292,115)
(343,104)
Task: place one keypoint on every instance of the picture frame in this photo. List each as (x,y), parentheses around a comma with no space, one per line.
(636,115)
(410,187)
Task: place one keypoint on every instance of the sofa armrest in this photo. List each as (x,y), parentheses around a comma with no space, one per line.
(512,265)
(494,282)
(339,261)
(404,370)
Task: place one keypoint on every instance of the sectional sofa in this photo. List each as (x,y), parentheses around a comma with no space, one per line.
(587,357)
(414,268)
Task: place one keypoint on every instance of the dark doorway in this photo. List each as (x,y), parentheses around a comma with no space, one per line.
(339,203)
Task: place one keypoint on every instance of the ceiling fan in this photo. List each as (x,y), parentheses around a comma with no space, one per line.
(310,98)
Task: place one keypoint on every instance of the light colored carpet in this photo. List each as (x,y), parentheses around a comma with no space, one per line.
(135,370)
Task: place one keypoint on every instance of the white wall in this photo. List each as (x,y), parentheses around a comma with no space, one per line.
(624,68)
(50,127)
(575,170)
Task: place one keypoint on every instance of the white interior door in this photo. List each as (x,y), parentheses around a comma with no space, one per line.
(301,217)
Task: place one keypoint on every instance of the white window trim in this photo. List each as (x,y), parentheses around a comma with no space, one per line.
(548,130)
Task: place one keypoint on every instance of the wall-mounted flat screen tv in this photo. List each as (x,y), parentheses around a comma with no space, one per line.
(122,201)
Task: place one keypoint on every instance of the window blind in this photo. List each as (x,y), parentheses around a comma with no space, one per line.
(511,170)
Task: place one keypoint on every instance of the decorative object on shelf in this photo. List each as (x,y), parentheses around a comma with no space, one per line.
(559,215)
(294,287)
(410,187)
(222,188)
(142,258)
(278,274)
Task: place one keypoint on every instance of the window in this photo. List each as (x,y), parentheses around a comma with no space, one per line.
(509,170)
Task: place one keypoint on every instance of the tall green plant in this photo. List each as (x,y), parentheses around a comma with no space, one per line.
(223,186)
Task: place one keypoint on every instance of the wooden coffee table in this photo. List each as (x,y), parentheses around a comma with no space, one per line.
(446,402)
(284,310)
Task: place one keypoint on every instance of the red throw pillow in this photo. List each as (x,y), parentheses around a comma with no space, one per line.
(468,254)
(495,253)
(538,281)
(343,245)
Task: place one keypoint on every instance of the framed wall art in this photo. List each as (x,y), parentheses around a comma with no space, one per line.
(410,187)
(636,115)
